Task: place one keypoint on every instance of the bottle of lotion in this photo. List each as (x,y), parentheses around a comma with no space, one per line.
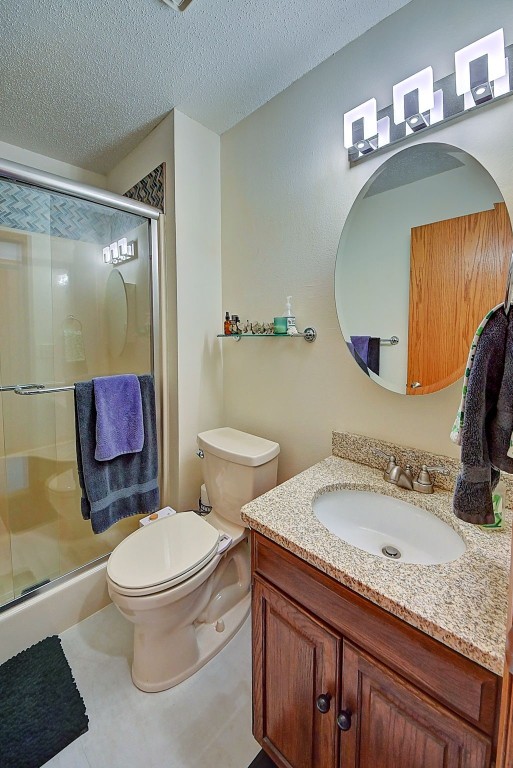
(291,320)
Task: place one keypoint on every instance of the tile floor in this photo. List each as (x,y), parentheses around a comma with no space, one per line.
(204,721)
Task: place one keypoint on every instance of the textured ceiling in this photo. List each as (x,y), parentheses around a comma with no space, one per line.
(85,80)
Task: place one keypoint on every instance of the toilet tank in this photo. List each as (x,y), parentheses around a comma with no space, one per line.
(237,467)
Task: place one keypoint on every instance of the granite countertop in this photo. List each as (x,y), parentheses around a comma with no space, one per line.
(463,604)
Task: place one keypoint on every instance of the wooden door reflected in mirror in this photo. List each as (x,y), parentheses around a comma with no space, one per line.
(458,271)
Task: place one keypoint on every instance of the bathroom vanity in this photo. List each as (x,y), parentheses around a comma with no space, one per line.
(359,661)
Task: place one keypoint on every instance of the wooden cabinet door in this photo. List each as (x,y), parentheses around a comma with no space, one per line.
(295,661)
(458,271)
(393,725)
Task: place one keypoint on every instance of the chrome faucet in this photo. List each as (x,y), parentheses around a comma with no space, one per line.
(395,474)
(424,483)
(403,478)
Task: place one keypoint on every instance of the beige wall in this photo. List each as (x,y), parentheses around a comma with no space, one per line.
(50,165)
(155,149)
(191,290)
(198,279)
(286,192)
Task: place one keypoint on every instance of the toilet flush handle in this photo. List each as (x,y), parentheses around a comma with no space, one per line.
(200,453)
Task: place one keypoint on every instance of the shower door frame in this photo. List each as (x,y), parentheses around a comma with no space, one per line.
(53,183)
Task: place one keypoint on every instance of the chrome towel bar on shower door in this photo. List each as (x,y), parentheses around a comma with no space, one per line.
(40,389)
(14,387)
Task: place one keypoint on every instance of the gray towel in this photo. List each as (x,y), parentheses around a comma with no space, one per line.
(373,356)
(483,447)
(365,350)
(501,423)
(126,485)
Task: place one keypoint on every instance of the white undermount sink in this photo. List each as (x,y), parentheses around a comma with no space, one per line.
(388,527)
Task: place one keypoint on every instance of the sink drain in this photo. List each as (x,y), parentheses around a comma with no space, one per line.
(392,552)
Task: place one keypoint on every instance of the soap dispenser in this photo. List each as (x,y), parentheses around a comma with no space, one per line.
(291,320)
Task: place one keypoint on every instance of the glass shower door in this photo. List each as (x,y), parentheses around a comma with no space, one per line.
(74,304)
(28,427)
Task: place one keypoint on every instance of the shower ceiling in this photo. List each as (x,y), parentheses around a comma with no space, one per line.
(84,82)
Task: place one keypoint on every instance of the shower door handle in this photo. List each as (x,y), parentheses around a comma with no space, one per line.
(40,389)
(14,387)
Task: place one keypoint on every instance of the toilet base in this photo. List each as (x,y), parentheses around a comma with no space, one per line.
(209,640)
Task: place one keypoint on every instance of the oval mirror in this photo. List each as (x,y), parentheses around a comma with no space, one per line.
(423,255)
(116,313)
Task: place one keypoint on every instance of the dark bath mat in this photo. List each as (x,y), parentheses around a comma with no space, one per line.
(41,710)
(262,761)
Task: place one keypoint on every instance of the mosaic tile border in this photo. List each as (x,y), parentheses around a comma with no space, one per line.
(152,189)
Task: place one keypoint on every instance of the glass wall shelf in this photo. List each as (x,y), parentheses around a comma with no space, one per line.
(309,334)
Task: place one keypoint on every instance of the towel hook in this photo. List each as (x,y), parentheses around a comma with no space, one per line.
(508,300)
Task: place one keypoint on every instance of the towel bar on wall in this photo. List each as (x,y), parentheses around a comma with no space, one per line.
(393,340)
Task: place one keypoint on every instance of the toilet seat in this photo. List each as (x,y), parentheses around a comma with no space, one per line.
(162,554)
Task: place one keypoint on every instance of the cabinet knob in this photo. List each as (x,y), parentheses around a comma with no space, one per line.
(323,702)
(344,720)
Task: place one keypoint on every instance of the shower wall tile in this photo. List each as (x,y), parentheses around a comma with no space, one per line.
(28,209)
(24,208)
(75,220)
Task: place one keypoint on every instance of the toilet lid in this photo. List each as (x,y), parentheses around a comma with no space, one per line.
(163,551)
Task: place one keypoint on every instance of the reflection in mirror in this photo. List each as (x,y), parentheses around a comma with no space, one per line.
(423,255)
(116,313)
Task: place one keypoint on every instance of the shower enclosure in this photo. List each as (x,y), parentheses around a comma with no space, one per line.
(78,295)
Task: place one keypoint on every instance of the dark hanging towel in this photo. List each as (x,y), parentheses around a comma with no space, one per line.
(125,485)
(373,354)
(365,350)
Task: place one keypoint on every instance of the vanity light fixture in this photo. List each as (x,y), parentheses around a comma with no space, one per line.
(363,132)
(120,252)
(413,98)
(483,72)
(478,65)
(361,128)
(418,121)
(435,115)
(366,145)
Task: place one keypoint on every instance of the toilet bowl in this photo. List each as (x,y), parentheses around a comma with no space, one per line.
(186,597)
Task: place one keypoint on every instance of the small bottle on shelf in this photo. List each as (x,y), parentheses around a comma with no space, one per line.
(291,320)
(227,325)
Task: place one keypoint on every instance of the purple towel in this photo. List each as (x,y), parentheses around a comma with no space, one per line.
(361,347)
(119,416)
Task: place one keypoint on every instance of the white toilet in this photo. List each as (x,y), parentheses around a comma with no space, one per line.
(185,598)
